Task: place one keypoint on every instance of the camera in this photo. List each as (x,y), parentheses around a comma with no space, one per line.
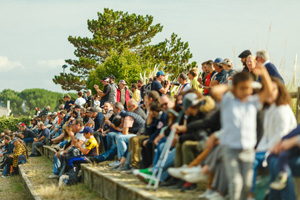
(175,83)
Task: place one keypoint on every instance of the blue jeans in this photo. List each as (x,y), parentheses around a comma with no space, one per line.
(122,141)
(63,143)
(288,193)
(159,148)
(111,138)
(259,158)
(28,140)
(56,165)
(169,163)
(107,155)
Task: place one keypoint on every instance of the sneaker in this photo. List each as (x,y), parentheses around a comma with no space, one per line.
(188,186)
(212,195)
(206,193)
(195,178)
(114,164)
(143,175)
(217,196)
(176,172)
(190,170)
(5,176)
(280,182)
(53,176)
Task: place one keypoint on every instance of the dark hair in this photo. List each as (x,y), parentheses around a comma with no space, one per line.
(118,105)
(155,107)
(6,137)
(63,112)
(140,81)
(75,112)
(284,97)
(193,72)
(209,63)
(133,85)
(80,93)
(67,96)
(241,77)
(154,95)
(78,121)
(183,76)
(117,121)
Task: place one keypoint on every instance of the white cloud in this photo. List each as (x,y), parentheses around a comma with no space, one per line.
(51,63)
(7,65)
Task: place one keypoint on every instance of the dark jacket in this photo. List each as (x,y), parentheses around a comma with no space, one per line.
(89,101)
(28,133)
(141,113)
(153,129)
(138,123)
(272,70)
(98,120)
(10,149)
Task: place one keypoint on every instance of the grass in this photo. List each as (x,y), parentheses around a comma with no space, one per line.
(39,168)
(12,188)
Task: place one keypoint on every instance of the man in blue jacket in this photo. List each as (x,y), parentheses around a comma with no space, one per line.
(262,56)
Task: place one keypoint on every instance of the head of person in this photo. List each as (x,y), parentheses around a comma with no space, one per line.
(7,139)
(227,64)
(41,126)
(62,114)
(280,95)
(91,112)
(118,107)
(61,106)
(107,106)
(191,102)
(166,102)
(182,78)
(139,83)
(262,56)
(82,113)
(160,76)
(88,132)
(250,63)
(88,93)
(105,81)
(74,113)
(79,94)
(48,108)
(16,141)
(77,125)
(112,79)
(54,114)
(122,84)
(152,96)
(241,83)
(209,66)
(134,87)
(193,73)
(96,98)
(67,98)
(77,108)
(203,67)
(155,109)
(132,105)
(23,127)
(217,65)
(150,80)
(243,56)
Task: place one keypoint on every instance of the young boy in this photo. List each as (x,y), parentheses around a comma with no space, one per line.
(238,118)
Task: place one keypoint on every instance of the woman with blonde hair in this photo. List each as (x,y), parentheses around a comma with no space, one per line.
(193,76)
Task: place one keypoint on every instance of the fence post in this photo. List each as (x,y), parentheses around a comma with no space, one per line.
(298,106)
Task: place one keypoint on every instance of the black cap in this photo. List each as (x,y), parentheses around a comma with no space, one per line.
(78,106)
(245,54)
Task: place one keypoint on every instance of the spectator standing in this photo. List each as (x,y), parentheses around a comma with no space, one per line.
(262,57)
(141,87)
(90,99)
(136,95)
(157,83)
(114,88)
(227,65)
(184,85)
(68,101)
(243,56)
(251,63)
(96,101)
(210,71)
(193,76)
(106,94)
(221,73)
(80,100)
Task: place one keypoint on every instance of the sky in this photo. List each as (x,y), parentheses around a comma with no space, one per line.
(34,33)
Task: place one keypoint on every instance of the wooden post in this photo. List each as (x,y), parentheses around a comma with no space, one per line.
(298,106)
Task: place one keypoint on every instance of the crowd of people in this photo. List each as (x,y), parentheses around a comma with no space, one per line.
(234,123)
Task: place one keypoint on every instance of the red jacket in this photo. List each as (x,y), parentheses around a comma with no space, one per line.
(127,96)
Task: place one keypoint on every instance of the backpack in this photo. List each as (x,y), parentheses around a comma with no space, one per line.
(148,88)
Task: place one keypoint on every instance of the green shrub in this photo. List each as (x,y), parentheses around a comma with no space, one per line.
(11,122)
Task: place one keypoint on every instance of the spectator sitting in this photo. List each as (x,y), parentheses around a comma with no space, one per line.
(134,107)
(10,147)
(80,100)
(184,85)
(41,139)
(27,134)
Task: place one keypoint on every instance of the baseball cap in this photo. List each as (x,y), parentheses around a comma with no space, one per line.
(23,124)
(90,91)
(87,129)
(112,77)
(91,110)
(227,61)
(55,113)
(190,99)
(49,113)
(123,82)
(160,73)
(245,54)
(218,60)
(105,79)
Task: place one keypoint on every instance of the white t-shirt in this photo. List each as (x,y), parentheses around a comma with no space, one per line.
(97,103)
(80,101)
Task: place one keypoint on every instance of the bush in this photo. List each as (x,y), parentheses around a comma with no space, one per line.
(11,122)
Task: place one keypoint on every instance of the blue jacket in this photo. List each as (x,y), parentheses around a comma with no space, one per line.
(272,71)
(154,129)
(10,149)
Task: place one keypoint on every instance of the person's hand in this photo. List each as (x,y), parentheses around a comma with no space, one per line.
(259,69)
(58,154)
(71,133)
(35,140)
(199,79)
(1,154)
(107,121)
(286,144)
(103,134)
(56,130)
(64,153)
(77,145)
(157,139)
(96,87)
(181,129)
(276,148)
(145,143)
(210,142)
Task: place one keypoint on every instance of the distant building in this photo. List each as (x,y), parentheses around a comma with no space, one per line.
(5,110)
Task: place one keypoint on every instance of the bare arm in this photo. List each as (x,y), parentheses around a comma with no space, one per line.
(218,91)
(266,82)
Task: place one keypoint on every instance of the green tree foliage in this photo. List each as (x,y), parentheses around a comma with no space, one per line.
(127,65)
(31,98)
(11,122)
(113,32)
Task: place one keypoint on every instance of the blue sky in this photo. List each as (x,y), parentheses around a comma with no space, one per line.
(34,45)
